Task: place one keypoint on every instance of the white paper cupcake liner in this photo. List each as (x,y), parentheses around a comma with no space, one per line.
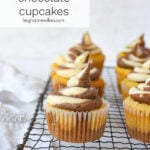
(77,127)
(137,123)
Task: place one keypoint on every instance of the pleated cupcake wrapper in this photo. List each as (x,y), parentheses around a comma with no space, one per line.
(77,127)
(137,123)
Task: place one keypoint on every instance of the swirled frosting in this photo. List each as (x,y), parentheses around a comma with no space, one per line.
(139,41)
(140,74)
(85,45)
(77,96)
(67,70)
(134,58)
(142,92)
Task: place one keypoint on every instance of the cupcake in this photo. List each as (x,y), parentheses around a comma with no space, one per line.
(96,55)
(138,75)
(137,112)
(65,71)
(134,57)
(76,113)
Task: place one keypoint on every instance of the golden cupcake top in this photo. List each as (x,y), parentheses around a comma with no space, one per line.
(67,70)
(140,74)
(79,95)
(141,93)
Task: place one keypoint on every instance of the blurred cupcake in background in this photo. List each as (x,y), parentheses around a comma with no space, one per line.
(135,56)
(95,53)
(137,112)
(138,75)
(67,70)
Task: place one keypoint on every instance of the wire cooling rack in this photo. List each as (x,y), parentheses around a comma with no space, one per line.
(115,134)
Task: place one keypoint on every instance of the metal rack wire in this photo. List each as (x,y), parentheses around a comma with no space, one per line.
(115,134)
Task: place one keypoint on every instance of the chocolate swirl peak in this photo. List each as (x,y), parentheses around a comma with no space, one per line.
(79,95)
(138,42)
(88,45)
(82,79)
(142,92)
(86,40)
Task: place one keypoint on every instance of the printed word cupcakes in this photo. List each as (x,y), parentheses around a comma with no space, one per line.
(76,113)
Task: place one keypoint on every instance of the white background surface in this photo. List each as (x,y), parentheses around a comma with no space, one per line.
(113,24)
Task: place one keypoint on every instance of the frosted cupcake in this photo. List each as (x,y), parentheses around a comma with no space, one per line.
(76,113)
(137,55)
(65,71)
(137,112)
(138,75)
(96,56)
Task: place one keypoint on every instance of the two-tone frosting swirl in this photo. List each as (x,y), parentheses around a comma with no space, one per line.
(85,45)
(142,92)
(140,74)
(78,95)
(134,58)
(67,70)
(138,42)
